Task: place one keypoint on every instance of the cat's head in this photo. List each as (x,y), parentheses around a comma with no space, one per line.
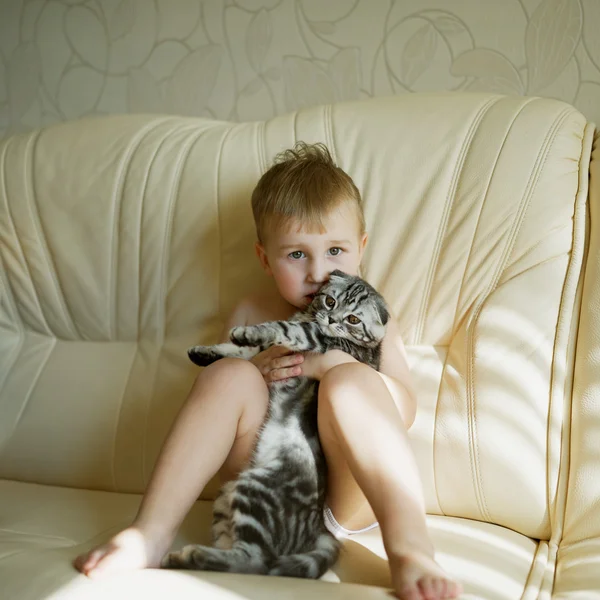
(348,307)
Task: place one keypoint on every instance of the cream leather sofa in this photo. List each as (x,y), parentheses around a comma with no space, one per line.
(126,239)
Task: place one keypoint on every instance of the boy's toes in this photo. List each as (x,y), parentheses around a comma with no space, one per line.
(429,588)
(439,589)
(418,576)
(410,593)
(452,589)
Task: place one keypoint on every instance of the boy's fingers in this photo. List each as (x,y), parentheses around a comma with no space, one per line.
(279,374)
(287,361)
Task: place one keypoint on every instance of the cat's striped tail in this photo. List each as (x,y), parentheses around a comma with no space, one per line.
(312,564)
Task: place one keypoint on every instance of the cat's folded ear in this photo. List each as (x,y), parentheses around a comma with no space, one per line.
(337,274)
(382,312)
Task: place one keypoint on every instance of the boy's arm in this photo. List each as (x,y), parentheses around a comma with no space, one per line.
(395,373)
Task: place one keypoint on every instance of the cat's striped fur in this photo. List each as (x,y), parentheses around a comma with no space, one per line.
(270,519)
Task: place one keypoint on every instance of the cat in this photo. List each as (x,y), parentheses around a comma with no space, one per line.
(270,519)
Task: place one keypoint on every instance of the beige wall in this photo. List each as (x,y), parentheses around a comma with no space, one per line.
(251,59)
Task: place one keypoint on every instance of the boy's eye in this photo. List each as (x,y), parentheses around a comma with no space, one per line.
(329,301)
(296,254)
(353,319)
(335,251)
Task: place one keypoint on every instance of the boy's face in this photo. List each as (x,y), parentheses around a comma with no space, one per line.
(300,260)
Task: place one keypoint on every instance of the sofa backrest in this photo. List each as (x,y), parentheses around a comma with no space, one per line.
(578,556)
(583,505)
(126,239)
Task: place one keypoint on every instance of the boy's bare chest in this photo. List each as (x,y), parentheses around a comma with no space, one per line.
(267,308)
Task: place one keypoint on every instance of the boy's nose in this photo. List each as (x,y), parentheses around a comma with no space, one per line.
(317,272)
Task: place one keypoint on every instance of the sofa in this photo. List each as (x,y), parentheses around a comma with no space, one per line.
(125,239)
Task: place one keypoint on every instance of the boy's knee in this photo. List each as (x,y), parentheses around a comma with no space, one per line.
(343,384)
(230,366)
(228,370)
(357,387)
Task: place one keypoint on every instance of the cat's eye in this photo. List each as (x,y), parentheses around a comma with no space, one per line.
(353,319)
(329,301)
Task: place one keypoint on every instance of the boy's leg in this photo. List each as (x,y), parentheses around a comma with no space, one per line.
(371,462)
(215,430)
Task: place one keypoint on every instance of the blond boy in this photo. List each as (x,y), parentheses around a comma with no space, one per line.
(309,221)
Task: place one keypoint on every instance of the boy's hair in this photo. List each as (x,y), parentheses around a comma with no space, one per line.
(305,184)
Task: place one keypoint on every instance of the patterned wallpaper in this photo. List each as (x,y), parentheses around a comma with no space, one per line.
(252,59)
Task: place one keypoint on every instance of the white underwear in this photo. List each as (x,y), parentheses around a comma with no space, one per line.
(341,532)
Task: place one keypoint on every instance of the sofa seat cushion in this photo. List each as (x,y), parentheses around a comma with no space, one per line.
(42,528)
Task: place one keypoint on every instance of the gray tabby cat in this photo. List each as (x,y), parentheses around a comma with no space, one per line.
(270,519)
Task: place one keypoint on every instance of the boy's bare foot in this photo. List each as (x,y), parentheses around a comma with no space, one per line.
(416,576)
(129,550)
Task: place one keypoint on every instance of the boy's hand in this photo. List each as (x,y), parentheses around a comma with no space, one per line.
(277,363)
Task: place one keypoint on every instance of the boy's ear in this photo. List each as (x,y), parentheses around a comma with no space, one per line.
(262,256)
(363,243)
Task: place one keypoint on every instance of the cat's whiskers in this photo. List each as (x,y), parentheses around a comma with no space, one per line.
(321,319)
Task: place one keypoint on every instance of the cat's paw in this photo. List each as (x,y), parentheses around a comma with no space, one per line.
(182,559)
(243,336)
(168,561)
(197,557)
(203,355)
(253,335)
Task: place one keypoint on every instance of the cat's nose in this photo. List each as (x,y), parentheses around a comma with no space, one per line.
(331,320)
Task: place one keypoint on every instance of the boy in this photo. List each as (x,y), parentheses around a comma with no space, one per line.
(309,221)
